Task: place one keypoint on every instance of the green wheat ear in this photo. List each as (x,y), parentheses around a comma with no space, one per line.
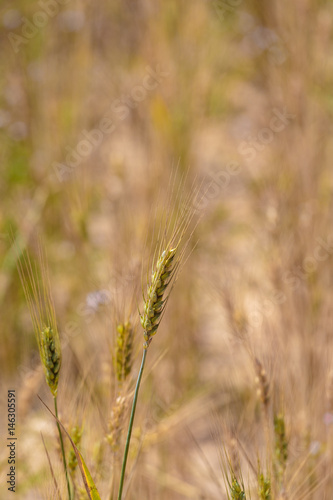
(155,301)
(264,487)
(76,435)
(236,490)
(37,289)
(36,285)
(171,237)
(51,358)
(281,447)
(124,347)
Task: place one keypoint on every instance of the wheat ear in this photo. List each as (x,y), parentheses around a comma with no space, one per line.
(124,348)
(155,304)
(171,234)
(37,289)
(264,487)
(51,358)
(263,391)
(281,448)
(154,307)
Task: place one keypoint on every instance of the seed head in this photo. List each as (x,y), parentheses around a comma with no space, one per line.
(156,300)
(177,220)
(236,490)
(36,285)
(124,345)
(76,435)
(51,358)
(264,487)
(281,446)
(116,423)
(262,383)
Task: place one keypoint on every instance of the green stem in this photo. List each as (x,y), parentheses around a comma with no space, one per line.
(129,432)
(62,449)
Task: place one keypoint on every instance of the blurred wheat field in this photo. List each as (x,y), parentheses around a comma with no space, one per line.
(101,105)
